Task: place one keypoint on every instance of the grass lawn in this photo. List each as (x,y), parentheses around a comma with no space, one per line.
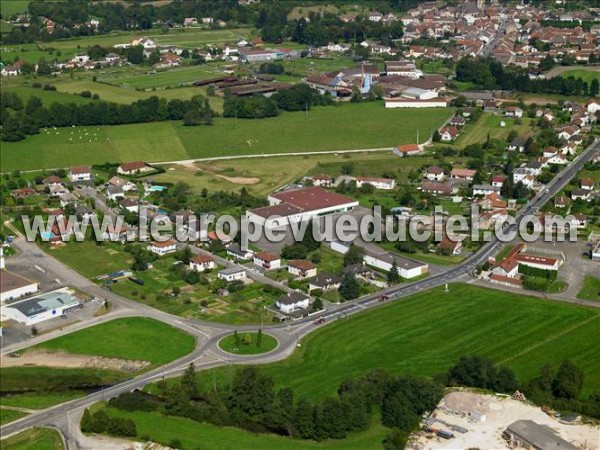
(90,259)
(489,123)
(8,415)
(590,289)
(228,344)
(325,129)
(193,434)
(135,338)
(586,75)
(506,248)
(34,439)
(427,333)
(171,77)
(14,7)
(40,401)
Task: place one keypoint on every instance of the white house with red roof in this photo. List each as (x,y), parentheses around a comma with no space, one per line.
(132,168)
(377,183)
(266,260)
(448,134)
(163,248)
(406,150)
(80,173)
(200,263)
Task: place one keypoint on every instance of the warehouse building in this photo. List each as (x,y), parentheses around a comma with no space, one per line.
(43,307)
(13,286)
(532,435)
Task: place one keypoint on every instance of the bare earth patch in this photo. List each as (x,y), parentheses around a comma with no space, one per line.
(240,180)
(72,361)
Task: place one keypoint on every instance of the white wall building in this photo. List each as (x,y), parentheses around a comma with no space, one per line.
(43,307)
(163,248)
(13,286)
(230,275)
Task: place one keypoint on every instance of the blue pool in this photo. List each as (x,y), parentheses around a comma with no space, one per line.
(46,235)
(157,188)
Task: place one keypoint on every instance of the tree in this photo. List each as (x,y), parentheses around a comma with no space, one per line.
(547,63)
(317,304)
(189,384)
(135,55)
(396,411)
(259,338)
(99,422)
(86,421)
(437,137)
(349,288)
(303,420)
(393,276)
(568,380)
(251,395)
(594,87)
(34,331)
(247,339)
(354,255)
(236,338)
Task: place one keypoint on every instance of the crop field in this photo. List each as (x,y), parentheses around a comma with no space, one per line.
(34,439)
(427,333)
(323,129)
(136,338)
(489,123)
(274,172)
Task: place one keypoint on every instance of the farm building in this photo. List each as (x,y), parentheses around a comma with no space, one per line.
(529,434)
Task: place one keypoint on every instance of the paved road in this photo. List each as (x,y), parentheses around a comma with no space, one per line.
(207,355)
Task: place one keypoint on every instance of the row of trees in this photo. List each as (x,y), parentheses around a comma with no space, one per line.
(17,122)
(490,74)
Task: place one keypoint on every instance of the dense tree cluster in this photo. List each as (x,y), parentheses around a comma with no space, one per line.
(476,371)
(255,107)
(18,121)
(251,402)
(490,74)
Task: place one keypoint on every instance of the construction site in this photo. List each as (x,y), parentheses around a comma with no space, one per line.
(466,419)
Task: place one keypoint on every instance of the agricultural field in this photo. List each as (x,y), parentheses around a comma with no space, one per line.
(134,338)
(429,331)
(323,129)
(34,439)
(489,124)
(590,289)
(14,7)
(193,434)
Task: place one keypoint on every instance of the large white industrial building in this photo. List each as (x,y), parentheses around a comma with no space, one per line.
(42,307)
(13,286)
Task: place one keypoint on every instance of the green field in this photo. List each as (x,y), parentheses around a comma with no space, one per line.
(272,173)
(427,333)
(39,401)
(586,75)
(9,415)
(34,439)
(590,289)
(135,338)
(489,124)
(201,435)
(13,7)
(228,344)
(325,129)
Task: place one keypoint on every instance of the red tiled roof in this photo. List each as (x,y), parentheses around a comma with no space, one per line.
(79,170)
(266,256)
(312,198)
(407,148)
(301,264)
(167,243)
(131,166)
(201,259)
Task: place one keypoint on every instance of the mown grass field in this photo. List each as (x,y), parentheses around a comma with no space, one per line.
(590,289)
(201,435)
(228,344)
(427,333)
(34,439)
(324,129)
(134,338)
(9,415)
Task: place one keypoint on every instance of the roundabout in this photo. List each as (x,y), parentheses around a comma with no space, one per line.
(248,343)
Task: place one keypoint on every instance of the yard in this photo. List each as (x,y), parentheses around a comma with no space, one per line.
(324,129)
(428,332)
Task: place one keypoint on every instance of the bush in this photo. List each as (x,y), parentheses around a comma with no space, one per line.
(86,94)
(118,426)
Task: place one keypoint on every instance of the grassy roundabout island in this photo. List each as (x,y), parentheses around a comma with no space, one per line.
(248,343)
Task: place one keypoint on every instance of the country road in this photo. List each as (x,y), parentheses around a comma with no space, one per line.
(207,354)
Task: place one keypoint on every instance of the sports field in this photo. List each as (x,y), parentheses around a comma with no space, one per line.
(134,338)
(427,333)
(324,129)
(34,439)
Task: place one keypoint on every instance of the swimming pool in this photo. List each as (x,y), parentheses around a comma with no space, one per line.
(157,187)
(46,235)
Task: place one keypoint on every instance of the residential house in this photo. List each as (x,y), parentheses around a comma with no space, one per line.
(406,150)
(562,202)
(201,263)
(266,260)
(115,233)
(448,134)
(513,111)
(324,281)
(133,168)
(587,184)
(435,173)
(517,143)
(450,246)
(292,301)
(302,269)
(580,194)
(490,106)
(162,248)
(52,180)
(80,173)
(457,121)
(233,274)
(126,185)
(437,188)
(57,190)
(498,181)
(114,192)
(236,251)
(322,180)
(463,174)
(485,189)
(130,205)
